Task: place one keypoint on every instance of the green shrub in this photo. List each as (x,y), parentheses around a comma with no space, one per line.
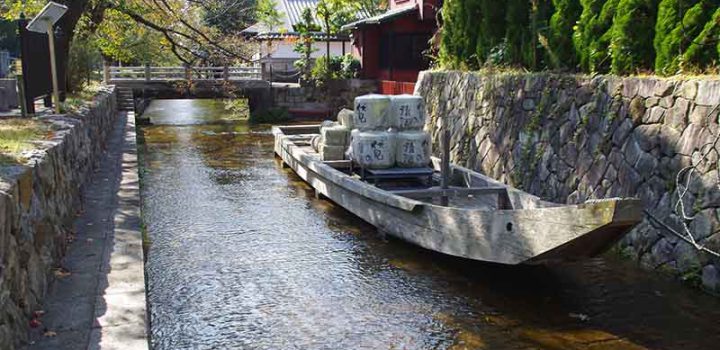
(339,67)
(680,28)
(592,34)
(704,50)
(596,36)
(633,30)
(567,13)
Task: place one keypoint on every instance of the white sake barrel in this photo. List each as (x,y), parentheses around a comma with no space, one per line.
(371,112)
(329,152)
(407,112)
(336,135)
(412,149)
(315,142)
(327,123)
(345,117)
(373,149)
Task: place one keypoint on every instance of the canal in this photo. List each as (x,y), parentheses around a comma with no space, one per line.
(243,256)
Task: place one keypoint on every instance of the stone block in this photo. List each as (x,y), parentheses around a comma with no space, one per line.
(646,87)
(652,102)
(622,131)
(703,115)
(647,136)
(685,256)
(630,87)
(688,90)
(664,87)
(690,140)
(667,101)
(677,116)
(631,151)
(708,93)
(646,165)
(653,115)
(711,278)
(668,139)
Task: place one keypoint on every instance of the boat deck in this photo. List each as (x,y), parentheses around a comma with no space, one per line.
(417,181)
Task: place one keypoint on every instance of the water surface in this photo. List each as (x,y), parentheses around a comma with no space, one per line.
(244,257)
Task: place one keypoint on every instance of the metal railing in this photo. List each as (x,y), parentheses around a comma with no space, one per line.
(148,73)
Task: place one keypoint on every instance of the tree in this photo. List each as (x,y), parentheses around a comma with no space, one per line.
(631,46)
(267,13)
(228,16)
(567,12)
(333,14)
(678,24)
(592,34)
(8,36)
(304,45)
(177,22)
(704,50)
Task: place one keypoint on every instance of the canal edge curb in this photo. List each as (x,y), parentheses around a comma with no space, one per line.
(122,319)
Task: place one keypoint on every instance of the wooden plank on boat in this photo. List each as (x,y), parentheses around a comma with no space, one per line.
(433,192)
(298,129)
(451,192)
(338,164)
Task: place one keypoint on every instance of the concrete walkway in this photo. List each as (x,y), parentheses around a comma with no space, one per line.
(101,303)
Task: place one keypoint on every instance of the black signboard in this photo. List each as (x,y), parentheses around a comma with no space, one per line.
(35,56)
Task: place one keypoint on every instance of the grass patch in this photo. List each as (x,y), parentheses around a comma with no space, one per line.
(17,136)
(78,99)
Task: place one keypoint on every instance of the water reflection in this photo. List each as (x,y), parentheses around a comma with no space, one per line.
(243,256)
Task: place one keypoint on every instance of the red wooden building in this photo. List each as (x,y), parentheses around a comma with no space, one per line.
(391,46)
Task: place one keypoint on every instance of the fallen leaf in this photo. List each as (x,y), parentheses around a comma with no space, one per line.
(62,272)
(50,334)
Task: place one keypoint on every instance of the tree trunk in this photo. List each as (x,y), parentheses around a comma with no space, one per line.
(67,24)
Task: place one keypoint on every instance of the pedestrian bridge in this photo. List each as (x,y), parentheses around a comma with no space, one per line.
(193,82)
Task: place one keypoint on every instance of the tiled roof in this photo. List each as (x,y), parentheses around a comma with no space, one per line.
(381,18)
(291,11)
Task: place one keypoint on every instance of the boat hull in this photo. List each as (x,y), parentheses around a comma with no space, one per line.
(519,236)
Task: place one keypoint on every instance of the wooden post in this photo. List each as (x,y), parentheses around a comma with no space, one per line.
(53,68)
(106,72)
(147,72)
(188,73)
(445,161)
(20,88)
(226,72)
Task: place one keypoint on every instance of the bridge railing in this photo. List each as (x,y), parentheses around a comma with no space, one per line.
(147,73)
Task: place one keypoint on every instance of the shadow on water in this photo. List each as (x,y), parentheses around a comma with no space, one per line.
(244,256)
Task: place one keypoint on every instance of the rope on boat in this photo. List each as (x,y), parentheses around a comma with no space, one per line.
(682,185)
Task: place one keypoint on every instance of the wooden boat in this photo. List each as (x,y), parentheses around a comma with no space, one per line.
(484,220)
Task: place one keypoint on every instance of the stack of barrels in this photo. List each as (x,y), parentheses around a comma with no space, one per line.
(388,132)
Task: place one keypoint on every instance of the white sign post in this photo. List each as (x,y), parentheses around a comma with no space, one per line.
(43,23)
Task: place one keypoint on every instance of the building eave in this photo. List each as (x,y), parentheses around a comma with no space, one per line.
(381,18)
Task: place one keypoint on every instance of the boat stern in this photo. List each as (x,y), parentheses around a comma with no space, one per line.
(617,217)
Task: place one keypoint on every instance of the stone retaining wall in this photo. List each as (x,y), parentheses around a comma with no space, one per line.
(37,204)
(333,96)
(570,138)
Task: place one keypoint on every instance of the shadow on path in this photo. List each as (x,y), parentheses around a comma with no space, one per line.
(100,302)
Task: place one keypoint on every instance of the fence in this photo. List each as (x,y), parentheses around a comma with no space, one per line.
(148,73)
